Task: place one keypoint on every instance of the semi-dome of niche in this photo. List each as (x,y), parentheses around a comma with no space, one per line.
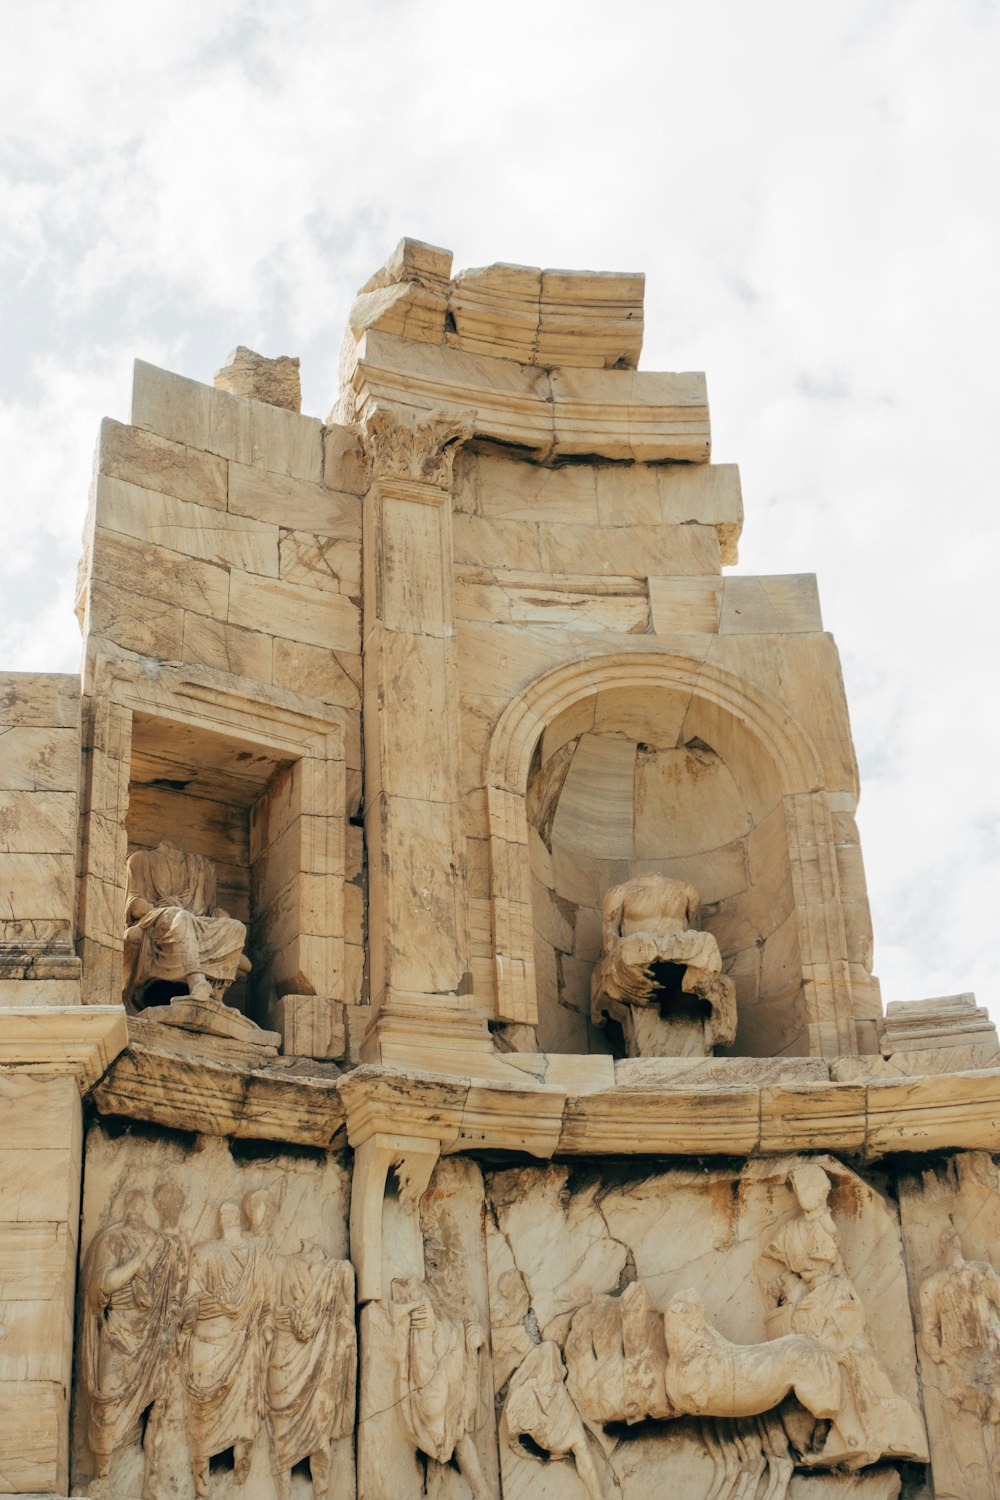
(620,786)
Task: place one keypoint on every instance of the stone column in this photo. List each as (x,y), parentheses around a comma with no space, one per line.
(420,979)
(48,1057)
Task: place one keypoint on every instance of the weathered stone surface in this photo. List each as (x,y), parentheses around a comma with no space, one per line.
(497,774)
(259,378)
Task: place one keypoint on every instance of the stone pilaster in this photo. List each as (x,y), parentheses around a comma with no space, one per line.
(420,979)
(49,1055)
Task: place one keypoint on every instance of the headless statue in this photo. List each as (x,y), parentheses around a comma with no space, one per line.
(659,976)
(174,929)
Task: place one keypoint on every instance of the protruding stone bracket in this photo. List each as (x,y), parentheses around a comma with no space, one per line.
(413,1158)
(48,1041)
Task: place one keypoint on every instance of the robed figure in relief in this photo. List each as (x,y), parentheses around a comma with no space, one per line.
(439,1354)
(130,1292)
(228,1321)
(312,1371)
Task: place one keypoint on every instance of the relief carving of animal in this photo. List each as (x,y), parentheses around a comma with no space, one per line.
(707,1375)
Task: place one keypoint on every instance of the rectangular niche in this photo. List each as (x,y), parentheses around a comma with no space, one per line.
(259,790)
(198,790)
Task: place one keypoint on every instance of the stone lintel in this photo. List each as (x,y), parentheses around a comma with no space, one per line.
(636,416)
(544,1109)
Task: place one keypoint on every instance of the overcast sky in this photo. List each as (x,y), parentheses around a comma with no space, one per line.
(811,186)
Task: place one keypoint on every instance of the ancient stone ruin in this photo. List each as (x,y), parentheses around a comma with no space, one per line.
(439,1052)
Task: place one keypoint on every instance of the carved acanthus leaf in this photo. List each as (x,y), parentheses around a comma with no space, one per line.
(416,446)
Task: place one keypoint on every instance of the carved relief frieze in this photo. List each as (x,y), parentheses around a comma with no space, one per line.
(951,1225)
(716,1321)
(218,1340)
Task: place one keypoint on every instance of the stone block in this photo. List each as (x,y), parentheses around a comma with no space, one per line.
(634,551)
(288,501)
(33,1428)
(34,1260)
(39,700)
(38,884)
(227,648)
(147,462)
(39,992)
(310,1026)
(344,465)
(412,686)
(495,311)
(268,437)
(276,381)
(407,552)
(38,822)
(309,964)
(158,574)
(420,933)
(323,562)
(171,405)
(502,489)
(778,605)
(589,319)
(38,1333)
(37,759)
(685,604)
(480,541)
(512,401)
(191,530)
(318,672)
(802,671)
(295,611)
(630,414)
(707,494)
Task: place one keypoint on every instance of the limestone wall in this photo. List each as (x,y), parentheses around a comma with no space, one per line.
(476,1085)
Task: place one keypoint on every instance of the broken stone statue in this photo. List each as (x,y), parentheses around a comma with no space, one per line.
(660,977)
(177,938)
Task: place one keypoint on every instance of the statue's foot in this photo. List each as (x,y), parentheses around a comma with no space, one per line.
(199,987)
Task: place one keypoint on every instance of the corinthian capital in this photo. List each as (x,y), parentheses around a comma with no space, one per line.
(418,446)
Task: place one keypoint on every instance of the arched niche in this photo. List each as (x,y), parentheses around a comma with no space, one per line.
(612,766)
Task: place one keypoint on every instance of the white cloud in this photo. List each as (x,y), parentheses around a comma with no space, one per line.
(811,190)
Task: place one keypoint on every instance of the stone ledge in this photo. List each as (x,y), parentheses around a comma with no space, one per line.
(464,1114)
(644,417)
(49,1041)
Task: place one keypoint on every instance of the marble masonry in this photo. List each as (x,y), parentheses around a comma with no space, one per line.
(439,1051)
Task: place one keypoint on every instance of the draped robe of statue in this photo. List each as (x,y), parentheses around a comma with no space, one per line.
(819,1300)
(648,933)
(128,1288)
(313,1361)
(230,1294)
(185,933)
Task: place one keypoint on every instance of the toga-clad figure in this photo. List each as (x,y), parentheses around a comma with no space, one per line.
(440,1377)
(228,1321)
(174,928)
(312,1373)
(129,1294)
(960,1330)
